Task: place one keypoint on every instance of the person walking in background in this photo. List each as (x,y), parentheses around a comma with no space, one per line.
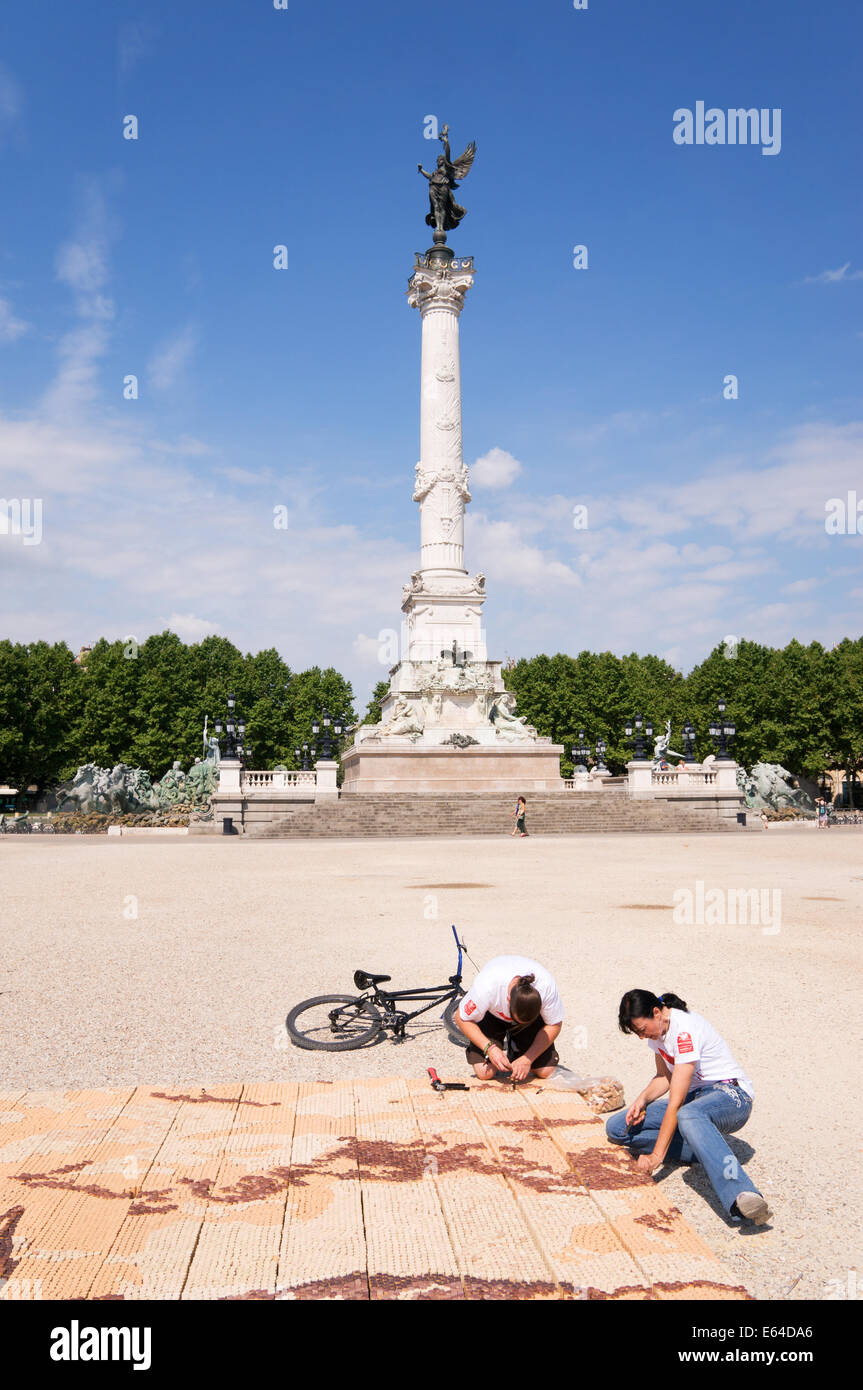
(822,814)
(698,1095)
(520,811)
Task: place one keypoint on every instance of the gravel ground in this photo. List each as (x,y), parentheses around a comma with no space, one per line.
(175,962)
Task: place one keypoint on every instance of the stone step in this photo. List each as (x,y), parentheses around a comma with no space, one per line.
(400,814)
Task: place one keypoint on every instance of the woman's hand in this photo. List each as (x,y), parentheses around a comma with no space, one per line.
(635,1113)
(648,1163)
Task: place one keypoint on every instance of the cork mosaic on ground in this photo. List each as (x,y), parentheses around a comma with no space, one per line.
(351,1190)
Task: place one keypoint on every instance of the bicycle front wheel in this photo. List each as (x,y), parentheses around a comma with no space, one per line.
(333,1023)
(452,1028)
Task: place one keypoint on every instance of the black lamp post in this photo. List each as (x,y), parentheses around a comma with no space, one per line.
(580,750)
(302,756)
(601,750)
(643,729)
(689,742)
(723,732)
(234,729)
(333,727)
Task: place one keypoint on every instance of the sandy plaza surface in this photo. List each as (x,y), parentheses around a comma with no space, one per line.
(175,961)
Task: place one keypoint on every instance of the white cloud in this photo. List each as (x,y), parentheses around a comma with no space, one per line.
(10,327)
(187,444)
(247,476)
(82,265)
(832,277)
(496,469)
(134,42)
(171,358)
(367,651)
(498,549)
(192,629)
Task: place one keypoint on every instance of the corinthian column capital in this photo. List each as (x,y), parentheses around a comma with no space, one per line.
(440,286)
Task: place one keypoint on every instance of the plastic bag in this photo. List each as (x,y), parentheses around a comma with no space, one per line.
(602,1093)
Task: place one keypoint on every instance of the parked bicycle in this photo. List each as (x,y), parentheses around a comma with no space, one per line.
(341,1022)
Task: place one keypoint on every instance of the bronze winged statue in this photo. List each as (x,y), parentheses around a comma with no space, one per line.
(446,213)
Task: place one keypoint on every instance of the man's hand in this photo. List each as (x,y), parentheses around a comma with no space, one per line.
(520,1069)
(648,1163)
(498,1059)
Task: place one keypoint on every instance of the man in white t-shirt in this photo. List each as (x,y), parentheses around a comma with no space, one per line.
(514,996)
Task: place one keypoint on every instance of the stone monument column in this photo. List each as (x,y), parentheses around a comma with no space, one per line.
(437,288)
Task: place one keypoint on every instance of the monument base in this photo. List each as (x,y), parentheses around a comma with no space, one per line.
(524,768)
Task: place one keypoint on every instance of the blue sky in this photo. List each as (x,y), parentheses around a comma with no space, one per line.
(601,387)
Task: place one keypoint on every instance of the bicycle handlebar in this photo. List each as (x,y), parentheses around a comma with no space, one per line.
(458,943)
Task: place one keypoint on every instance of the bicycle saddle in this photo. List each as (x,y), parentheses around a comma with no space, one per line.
(363,981)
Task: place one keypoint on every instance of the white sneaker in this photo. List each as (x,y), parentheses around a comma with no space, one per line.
(753,1207)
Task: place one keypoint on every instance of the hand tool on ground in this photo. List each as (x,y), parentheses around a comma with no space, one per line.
(439,1085)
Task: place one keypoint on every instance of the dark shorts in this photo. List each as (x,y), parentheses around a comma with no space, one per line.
(520,1039)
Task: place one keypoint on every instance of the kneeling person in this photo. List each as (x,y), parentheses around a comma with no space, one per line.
(517,996)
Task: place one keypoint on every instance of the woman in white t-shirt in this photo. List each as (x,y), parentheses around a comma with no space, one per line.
(698,1095)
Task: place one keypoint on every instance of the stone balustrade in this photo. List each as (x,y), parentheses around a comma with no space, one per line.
(717,779)
(273,781)
(684,777)
(250,797)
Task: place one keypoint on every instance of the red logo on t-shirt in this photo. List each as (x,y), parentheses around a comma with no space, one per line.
(470,1007)
(684,1042)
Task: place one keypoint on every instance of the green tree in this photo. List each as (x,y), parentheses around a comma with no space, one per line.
(40,700)
(373,708)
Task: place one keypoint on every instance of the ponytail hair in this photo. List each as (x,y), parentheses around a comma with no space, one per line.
(640,1003)
(525,1001)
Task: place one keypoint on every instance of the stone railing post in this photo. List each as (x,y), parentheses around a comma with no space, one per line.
(326,788)
(640,780)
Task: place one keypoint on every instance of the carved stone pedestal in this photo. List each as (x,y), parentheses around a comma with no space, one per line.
(407,767)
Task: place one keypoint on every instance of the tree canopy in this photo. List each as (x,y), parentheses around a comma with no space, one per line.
(145,704)
(798,706)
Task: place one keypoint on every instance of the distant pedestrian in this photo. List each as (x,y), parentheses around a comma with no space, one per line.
(520,810)
(823,822)
(764,820)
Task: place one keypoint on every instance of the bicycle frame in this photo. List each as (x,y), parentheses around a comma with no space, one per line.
(437,994)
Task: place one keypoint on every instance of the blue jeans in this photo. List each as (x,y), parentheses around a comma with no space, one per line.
(703,1120)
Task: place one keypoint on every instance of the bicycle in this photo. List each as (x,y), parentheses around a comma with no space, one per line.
(342,1022)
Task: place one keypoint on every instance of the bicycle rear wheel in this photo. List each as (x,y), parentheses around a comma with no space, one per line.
(333,1023)
(452,1028)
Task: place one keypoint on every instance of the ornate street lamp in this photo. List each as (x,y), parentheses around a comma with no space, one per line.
(601,750)
(234,729)
(580,750)
(689,742)
(723,732)
(303,755)
(333,728)
(643,729)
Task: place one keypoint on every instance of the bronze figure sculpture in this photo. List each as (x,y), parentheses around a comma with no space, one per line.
(446,213)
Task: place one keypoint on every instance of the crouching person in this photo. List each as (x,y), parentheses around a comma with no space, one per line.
(698,1095)
(511,1016)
